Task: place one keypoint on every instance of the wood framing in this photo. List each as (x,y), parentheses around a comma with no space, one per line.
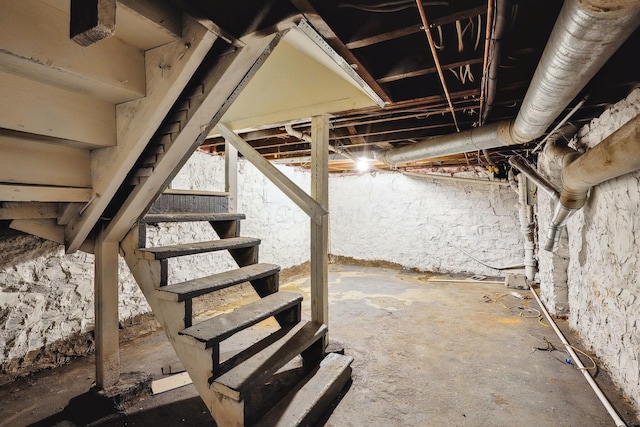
(231,175)
(92,21)
(37,193)
(76,117)
(106,313)
(320,231)
(220,87)
(26,161)
(28,210)
(161,14)
(34,43)
(288,187)
(169,68)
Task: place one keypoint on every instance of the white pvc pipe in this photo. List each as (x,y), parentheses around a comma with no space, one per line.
(603,399)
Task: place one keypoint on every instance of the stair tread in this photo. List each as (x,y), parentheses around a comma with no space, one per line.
(163,252)
(223,326)
(189,217)
(193,288)
(306,403)
(258,368)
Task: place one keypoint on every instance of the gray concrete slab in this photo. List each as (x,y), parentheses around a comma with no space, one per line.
(427,352)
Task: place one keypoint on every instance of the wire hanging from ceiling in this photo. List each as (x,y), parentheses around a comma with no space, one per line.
(390,6)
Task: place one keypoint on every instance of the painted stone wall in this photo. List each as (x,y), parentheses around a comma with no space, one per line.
(46,297)
(604,261)
(424,224)
(46,304)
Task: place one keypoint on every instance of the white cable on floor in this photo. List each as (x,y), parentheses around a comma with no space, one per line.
(585,372)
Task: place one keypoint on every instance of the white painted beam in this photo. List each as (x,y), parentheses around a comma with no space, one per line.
(280,180)
(320,231)
(231,175)
(28,161)
(106,313)
(25,210)
(169,68)
(49,56)
(39,193)
(37,108)
(45,228)
(221,86)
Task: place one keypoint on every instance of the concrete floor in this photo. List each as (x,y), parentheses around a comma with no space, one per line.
(428,351)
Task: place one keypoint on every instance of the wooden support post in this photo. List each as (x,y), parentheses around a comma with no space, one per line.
(320,231)
(92,21)
(231,175)
(106,313)
(279,179)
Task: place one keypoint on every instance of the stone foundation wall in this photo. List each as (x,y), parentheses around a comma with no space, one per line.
(425,224)
(46,297)
(604,261)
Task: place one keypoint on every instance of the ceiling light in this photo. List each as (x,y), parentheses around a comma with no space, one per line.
(362,165)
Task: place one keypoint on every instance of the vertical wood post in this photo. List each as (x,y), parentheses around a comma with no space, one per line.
(231,175)
(320,232)
(106,313)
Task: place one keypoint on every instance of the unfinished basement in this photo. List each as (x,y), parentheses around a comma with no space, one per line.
(310,213)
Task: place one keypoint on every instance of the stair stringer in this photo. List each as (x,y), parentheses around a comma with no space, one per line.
(196,359)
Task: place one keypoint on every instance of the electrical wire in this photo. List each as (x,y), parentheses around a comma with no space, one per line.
(389,7)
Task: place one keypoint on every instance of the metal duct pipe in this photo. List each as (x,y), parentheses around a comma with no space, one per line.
(535,177)
(615,156)
(489,136)
(584,37)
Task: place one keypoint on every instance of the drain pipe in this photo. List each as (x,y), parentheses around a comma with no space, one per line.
(534,176)
(525,214)
(616,155)
(594,386)
(584,37)
(307,138)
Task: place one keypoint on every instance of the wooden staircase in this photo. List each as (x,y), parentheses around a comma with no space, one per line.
(246,388)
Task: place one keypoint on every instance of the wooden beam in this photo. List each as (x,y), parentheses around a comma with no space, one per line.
(159,13)
(25,210)
(320,230)
(392,77)
(36,193)
(45,228)
(280,180)
(92,21)
(169,68)
(37,108)
(106,313)
(49,56)
(222,84)
(231,175)
(25,161)
(68,211)
(314,18)
(413,29)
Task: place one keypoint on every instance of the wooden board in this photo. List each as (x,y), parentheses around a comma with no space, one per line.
(192,217)
(257,369)
(223,326)
(164,252)
(204,285)
(306,403)
(170,383)
(189,203)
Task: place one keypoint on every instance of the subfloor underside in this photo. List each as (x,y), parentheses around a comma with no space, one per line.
(428,351)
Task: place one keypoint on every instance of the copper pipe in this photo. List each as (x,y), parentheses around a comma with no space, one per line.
(432,46)
(485,65)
